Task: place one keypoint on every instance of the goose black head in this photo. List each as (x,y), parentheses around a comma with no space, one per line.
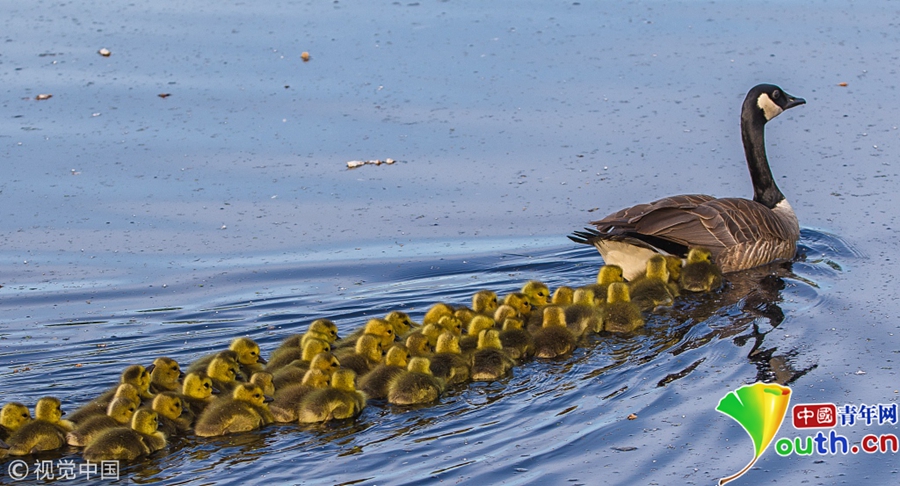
(770,100)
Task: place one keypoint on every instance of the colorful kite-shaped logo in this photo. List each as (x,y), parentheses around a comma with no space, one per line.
(759,408)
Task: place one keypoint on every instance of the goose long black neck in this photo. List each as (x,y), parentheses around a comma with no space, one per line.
(753,124)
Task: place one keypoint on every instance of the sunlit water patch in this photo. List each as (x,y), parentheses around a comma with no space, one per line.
(541,422)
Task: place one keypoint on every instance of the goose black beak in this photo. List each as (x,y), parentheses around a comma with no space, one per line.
(794,101)
(150,368)
(261,360)
(267,399)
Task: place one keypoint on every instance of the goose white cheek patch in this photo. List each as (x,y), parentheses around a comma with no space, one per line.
(769,108)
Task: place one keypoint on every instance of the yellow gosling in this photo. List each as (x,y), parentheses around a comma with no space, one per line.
(305,354)
(169,406)
(375,383)
(700,274)
(553,339)
(563,296)
(339,401)
(653,289)
(367,355)
(469,342)
(46,432)
(418,345)
(516,341)
(166,375)
(490,362)
(223,373)
(286,406)
(448,363)
(196,393)
(485,302)
(416,386)
(620,314)
(245,410)
(435,312)
(520,302)
(538,293)
(128,443)
(13,416)
(118,414)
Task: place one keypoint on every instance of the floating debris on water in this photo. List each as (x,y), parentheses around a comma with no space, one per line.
(104,52)
(305,56)
(359,163)
(42,97)
(164,95)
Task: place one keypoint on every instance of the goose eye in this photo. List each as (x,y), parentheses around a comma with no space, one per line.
(390,332)
(776,94)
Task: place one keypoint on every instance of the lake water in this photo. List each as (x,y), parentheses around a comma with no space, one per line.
(134,226)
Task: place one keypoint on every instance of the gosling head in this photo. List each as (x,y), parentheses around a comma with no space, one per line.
(344,379)
(478,324)
(434,314)
(382,329)
(417,344)
(14,415)
(538,293)
(584,296)
(325,362)
(398,355)
(400,321)
(419,365)
(326,327)
(513,323)
(485,302)
(448,343)
(489,339)
(248,392)
(145,421)
(223,370)
(699,255)
(313,347)
(166,372)
(316,378)
(618,292)
(121,410)
(48,409)
(554,316)
(247,351)
(657,269)
(610,274)
(451,323)
(504,312)
(563,296)
(264,380)
(370,347)
(197,385)
(138,376)
(518,301)
(168,405)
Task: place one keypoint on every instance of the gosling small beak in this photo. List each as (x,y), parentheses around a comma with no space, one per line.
(149,369)
(215,391)
(262,360)
(267,399)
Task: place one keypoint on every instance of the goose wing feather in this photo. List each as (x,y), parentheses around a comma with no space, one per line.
(721,225)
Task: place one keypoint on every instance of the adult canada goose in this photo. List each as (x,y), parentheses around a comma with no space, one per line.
(740,233)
